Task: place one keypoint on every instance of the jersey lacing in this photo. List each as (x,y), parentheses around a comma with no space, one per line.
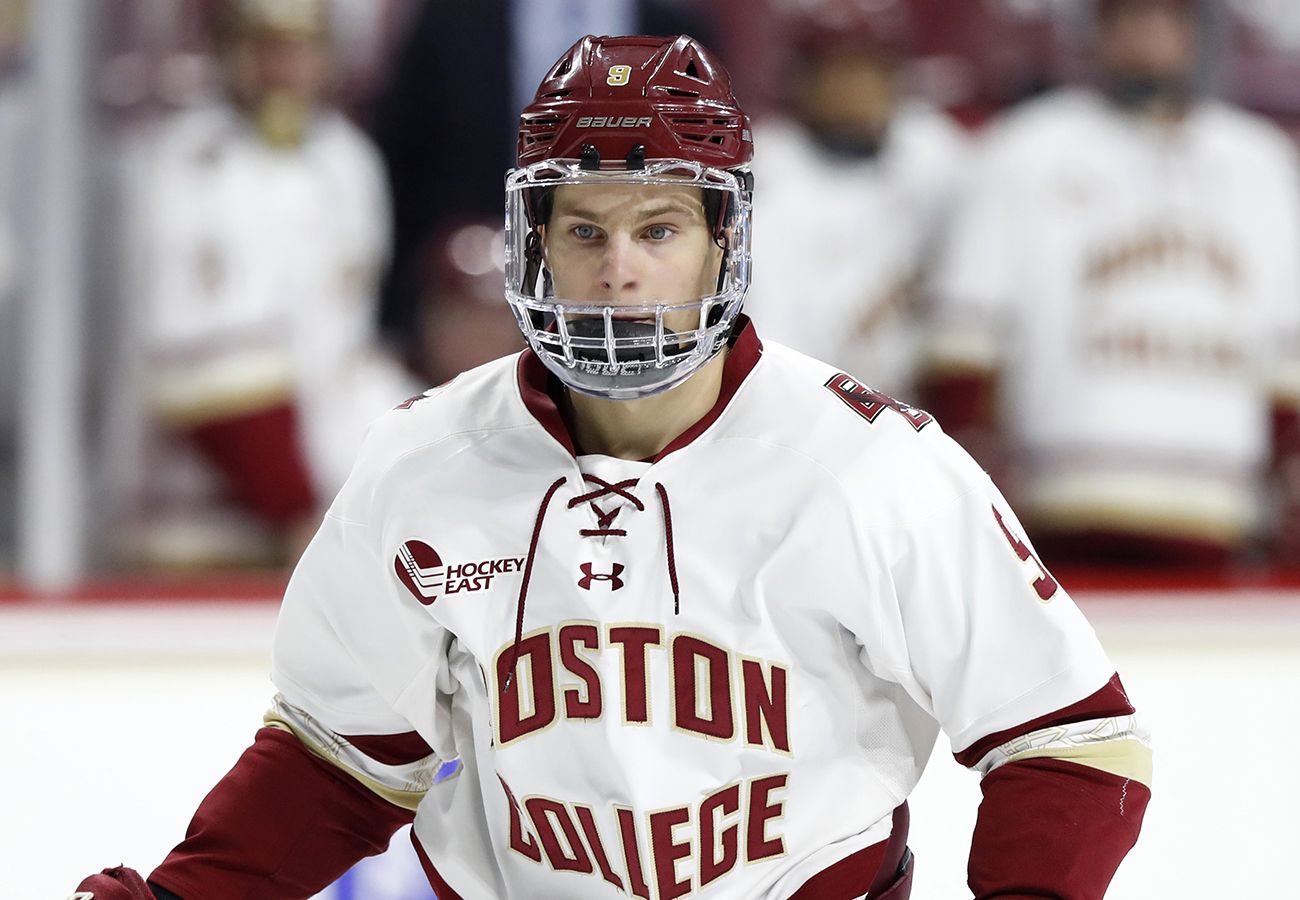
(604,519)
(603,522)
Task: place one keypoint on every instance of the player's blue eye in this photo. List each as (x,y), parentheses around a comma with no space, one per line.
(584,232)
(658,232)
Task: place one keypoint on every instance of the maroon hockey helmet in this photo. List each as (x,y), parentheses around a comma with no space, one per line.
(646,111)
(881,28)
(608,96)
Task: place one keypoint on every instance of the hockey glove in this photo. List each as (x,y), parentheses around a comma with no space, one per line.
(119,883)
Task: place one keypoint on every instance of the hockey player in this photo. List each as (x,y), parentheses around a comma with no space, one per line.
(689,609)
(261,231)
(1121,287)
(880,167)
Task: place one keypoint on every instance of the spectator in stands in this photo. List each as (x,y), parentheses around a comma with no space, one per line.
(1120,298)
(855,177)
(446,121)
(262,230)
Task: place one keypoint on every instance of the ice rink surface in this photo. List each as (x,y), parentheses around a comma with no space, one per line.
(119,717)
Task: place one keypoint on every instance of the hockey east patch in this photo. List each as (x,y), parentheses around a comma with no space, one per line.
(423,573)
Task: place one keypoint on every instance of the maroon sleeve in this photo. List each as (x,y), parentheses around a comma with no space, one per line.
(1286,474)
(965,403)
(1286,432)
(962,401)
(281,823)
(1050,828)
(260,455)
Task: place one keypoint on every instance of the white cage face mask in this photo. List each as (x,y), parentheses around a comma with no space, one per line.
(617,351)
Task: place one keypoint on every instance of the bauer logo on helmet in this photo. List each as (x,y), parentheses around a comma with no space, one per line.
(614,122)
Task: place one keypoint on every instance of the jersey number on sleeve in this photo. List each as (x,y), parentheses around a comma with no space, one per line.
(1045,585)
(870,404)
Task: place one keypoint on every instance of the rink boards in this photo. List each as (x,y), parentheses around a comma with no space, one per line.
(120,713)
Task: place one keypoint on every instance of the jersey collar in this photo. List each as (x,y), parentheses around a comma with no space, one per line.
(541,391)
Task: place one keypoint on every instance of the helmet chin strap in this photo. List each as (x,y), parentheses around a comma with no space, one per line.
(533,266)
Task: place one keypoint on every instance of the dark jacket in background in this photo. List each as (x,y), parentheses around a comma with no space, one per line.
(446,126)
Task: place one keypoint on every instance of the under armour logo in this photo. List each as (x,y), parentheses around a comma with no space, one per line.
(589,576)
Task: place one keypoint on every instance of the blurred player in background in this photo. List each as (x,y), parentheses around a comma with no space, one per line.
(690,611)
(879,167)
(16,151)
(1121,299)
(261,232)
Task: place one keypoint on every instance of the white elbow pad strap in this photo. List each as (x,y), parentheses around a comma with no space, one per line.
(403,784)
(1117,744)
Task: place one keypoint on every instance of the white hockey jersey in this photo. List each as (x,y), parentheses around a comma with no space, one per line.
(715,674)
(843,246)
(1137,285)
(255,274)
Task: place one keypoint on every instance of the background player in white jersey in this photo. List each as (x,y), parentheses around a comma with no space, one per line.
(262,229)
(689,611)
(1125,271)
(880,167)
